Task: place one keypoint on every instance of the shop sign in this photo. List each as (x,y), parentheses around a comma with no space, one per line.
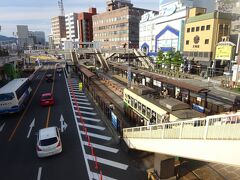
(114,120)
(224,52)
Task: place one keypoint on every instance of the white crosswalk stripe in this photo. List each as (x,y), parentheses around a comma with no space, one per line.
(83,107)
(108,162)
(80,99)
(97,176)
(89,119)
(107,138)
(90,113)
(84,103)
(105,148)
(92,126)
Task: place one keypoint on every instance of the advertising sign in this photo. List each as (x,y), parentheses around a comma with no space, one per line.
(224,52)
(114,120)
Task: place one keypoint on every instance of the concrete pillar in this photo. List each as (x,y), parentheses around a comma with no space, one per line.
(164,166)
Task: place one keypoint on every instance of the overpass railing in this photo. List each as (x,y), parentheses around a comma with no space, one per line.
(217,127)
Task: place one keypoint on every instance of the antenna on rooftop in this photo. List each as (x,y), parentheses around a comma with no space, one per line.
(61,8)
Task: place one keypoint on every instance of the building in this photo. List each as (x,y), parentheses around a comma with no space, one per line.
(24,41)
(71,26)
(39,37)
(164,30)
(85,26)
(118,26)
(203,32)
(50,42)
(58,30)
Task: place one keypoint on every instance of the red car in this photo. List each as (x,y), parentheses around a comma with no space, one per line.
(47,99)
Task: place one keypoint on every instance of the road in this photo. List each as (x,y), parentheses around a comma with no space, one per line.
(78,160)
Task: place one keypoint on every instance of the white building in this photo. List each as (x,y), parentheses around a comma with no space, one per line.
(71,29)
(165,30)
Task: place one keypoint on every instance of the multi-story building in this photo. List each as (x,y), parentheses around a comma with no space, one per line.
(85,27)
(58,30)
(23,37)
(39,37)
(71,26)
(118,26)
(164,30)
(50,41)
(203,32)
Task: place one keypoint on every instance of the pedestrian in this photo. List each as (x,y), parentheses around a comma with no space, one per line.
(166,118)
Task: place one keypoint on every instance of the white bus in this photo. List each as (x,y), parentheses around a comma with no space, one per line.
(14,95)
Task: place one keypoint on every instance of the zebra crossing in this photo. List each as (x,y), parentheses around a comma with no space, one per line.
(88,123)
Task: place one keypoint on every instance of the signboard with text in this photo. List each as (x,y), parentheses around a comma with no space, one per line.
(224,52)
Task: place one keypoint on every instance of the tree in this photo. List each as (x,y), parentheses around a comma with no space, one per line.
(177,59)
(160,58)
(10,71)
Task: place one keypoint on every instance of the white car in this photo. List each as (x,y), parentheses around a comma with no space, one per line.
(48,142)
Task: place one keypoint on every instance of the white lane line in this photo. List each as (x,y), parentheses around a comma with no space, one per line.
(83,103)
(1,128)
(105,148)
(92,126)
(97,176)
(108,162)
(89,119)
(79,134)
(39,173)
(90,113)
(84,107)
(107,138)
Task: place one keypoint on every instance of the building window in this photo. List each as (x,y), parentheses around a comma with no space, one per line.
(208,27)
(205,54)
(202,28)
(206,41)
(188,29)
(187,42)
(193,29)
(197,28)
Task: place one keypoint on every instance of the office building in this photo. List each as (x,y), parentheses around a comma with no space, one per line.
(85,27)
(58,30)
(39,37)
(118,26)
(23,37)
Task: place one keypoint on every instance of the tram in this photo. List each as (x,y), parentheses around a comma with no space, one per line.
(149,104)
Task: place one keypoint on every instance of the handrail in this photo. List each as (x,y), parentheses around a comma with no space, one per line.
(221,127)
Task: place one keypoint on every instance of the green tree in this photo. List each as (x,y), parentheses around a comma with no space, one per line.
(168,58)
(10,71)
(160,58)
(177,59)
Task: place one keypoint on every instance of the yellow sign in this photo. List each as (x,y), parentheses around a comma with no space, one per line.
(224,52)
(80,86)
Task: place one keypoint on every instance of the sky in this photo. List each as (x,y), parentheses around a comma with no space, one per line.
(37,13)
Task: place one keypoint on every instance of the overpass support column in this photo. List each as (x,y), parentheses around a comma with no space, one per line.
(164,166)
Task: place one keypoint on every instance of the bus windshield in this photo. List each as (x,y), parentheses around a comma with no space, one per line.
(6,97)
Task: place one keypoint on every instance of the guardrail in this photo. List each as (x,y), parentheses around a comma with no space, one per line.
(217,127)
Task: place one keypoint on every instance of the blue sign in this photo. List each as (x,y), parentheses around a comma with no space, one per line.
(198,108)
(114,120)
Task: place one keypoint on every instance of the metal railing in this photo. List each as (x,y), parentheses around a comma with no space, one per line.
(217,127)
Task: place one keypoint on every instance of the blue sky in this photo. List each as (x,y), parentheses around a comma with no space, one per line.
(37,13)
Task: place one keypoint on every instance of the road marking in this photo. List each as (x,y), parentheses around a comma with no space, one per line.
(90,113)
(63,124)
(78,95)
(81,99)
(1,128)
(49,108)
(24,112)
(84,107)
(92,126)
(96,176)
(79,134)
(89,119)
(105,148)
(39,173)
(107,138)
(83,103)
(108,162)
(31,126)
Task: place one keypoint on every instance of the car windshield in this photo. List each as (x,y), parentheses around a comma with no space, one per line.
(47,97)
(47,142)
(6,97)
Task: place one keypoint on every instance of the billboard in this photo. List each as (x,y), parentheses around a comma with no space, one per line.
(224,52)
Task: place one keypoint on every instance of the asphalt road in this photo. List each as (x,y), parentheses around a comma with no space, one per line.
(18,159)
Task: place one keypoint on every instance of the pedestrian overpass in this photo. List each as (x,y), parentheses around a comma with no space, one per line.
(212,139)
